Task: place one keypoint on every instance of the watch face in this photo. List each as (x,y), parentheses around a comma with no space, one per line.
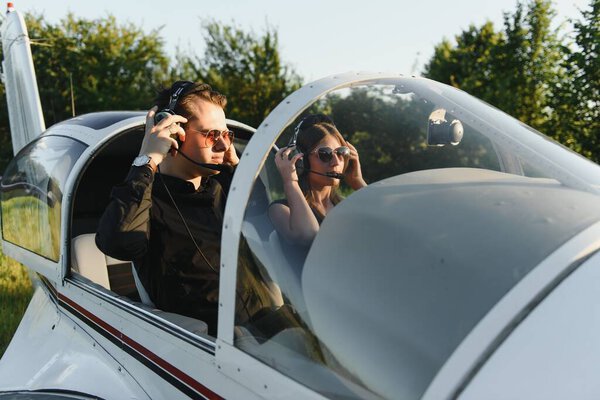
(141,160)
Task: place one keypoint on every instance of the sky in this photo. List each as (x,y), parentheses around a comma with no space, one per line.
(316,38)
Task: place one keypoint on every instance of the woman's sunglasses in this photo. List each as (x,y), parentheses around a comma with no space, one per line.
(325,154)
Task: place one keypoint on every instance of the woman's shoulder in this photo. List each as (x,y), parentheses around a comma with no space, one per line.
(279,201)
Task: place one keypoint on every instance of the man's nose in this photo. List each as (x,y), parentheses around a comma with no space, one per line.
(220,145)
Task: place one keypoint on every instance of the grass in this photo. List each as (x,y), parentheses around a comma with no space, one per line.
(15,293)
(29,222)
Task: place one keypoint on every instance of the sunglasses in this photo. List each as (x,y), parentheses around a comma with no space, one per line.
(211,136)
(325,154)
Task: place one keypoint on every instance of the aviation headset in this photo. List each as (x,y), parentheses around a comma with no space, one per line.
(303,165)
(177,91)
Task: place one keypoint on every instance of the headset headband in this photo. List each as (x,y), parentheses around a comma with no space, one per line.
(309,120)
(176,91)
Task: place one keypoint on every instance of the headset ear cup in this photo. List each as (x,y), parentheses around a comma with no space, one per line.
(305,164)
(300,167)
(162,114)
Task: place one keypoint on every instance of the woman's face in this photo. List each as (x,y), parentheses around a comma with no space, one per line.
(336,164)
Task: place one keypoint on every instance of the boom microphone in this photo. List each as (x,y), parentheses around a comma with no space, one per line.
(334,175)
(216,167)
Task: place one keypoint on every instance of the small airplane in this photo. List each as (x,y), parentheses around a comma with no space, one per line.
(468,268)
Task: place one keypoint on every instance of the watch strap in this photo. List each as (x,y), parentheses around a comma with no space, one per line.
(143,160)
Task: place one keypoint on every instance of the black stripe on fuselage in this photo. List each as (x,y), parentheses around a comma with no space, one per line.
(113,335)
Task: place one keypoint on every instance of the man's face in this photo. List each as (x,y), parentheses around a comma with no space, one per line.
(206,116)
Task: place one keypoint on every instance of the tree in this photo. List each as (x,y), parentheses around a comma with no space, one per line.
(246,67)
(111,66)
(108,66)
(471,63)
(576,102)
(549,82)
(528,62)
(511,69)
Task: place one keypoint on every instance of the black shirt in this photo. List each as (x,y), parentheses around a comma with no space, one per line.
(142,224)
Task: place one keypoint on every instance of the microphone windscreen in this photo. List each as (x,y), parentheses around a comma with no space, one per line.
(335,175)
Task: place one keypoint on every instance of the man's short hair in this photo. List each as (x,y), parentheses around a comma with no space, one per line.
(197,90)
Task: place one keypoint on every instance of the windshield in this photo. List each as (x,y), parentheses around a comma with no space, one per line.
(32,192)
(460,203)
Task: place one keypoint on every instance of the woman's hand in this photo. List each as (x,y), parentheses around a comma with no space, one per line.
(158,139)
(295,221)
(353,173)
(287,166)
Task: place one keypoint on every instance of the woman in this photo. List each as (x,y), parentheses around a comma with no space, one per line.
(312,176)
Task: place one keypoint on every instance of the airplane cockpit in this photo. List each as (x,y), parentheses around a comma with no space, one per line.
(36,182)
(399,259)
(458,205)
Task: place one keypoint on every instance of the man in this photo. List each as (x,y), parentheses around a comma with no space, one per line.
(167,215)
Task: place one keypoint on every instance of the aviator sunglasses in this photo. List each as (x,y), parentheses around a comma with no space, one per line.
(325,154)
(210,137)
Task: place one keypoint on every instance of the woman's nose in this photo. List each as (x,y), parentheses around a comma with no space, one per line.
(335,160)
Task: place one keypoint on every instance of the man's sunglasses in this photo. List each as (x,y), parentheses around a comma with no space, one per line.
(210,137)
(325,154)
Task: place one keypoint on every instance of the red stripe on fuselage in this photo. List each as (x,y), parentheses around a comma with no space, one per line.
(149,355)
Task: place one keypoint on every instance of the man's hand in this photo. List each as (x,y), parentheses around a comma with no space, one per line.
(231,157)
(159,138)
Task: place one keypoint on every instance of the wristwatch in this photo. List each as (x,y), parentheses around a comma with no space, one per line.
(142,160)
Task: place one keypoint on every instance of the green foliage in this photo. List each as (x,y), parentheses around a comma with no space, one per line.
(246,67)
(120,67)
(530,55)
(6,150)
(112,66)
(109,67)
(471,64)
(15,293)
(576,101)
(510,69)
(28,221)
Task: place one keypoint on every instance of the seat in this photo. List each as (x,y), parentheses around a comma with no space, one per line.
(88,261)
(144,296)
